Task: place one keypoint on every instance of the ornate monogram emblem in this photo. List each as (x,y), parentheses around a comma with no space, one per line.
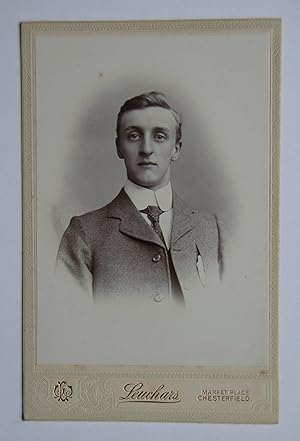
(62,391)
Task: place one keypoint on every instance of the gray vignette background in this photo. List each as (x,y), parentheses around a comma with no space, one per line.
(220,84)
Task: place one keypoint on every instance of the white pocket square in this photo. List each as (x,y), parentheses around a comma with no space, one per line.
(200,269)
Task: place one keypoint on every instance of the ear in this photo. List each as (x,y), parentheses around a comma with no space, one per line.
(177,150)
(119,148)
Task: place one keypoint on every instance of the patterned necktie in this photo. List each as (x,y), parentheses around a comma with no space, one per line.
(153,214)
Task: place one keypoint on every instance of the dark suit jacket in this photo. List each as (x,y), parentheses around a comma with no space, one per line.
(114,250)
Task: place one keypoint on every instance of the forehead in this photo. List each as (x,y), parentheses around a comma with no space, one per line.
(148,118)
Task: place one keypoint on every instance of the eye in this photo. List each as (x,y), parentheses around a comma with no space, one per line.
(133,136)
(160,136)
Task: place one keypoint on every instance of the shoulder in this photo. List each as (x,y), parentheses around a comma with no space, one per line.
(85,223)
(198,215)
(91,216)
(97,216)
(205,217)
(92,223)
(207,225)
(210,220)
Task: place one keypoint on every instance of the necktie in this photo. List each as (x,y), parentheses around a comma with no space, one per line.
(153,214)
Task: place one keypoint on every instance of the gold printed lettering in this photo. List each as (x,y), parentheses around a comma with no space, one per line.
(136,393)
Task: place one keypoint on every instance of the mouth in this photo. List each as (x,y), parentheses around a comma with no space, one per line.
(147,163)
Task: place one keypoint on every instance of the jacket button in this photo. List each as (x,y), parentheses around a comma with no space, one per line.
(158,297)
(156,258)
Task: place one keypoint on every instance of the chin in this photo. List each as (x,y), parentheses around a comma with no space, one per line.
(150,181)
(144,182)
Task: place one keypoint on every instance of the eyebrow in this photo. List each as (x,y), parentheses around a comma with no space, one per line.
(161,129)
(127,129)
(156,129)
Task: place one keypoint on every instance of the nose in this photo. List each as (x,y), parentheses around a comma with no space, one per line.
(146,147)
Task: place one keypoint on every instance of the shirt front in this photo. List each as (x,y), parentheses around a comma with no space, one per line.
(141,197)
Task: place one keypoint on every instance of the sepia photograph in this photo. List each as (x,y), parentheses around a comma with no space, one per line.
(150,219)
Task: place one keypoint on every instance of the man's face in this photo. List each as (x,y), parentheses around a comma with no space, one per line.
(147,143)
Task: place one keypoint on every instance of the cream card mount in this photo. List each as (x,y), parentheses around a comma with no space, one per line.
(97,343)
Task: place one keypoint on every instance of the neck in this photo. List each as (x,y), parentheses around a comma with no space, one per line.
(155,188)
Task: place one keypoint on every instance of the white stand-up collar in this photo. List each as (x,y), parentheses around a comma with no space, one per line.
(142,197)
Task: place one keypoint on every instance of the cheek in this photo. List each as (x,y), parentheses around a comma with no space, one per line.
(129,154)
(166,155)
(131,163)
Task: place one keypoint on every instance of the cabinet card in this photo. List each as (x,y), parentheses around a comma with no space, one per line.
(150,220)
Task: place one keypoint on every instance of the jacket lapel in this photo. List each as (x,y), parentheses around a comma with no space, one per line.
(183,220)
(132,222)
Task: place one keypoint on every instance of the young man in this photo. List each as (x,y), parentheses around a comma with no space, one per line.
(147,242)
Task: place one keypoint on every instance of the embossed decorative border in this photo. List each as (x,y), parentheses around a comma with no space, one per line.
(90,391)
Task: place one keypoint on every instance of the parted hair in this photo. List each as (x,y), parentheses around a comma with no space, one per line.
(150,99)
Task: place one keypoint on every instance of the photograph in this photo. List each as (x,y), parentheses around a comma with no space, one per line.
(150,219)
